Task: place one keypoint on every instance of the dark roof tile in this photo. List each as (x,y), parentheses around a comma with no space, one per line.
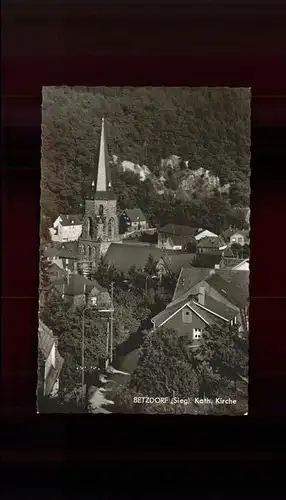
(189,277)
(207,260)
(228,290)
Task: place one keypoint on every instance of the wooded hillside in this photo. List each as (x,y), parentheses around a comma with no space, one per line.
(210,127)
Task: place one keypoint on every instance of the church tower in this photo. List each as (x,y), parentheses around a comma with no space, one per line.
(100,222)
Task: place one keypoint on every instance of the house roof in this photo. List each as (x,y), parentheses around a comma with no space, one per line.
(207,260)
(228,253)
(229,262)
(55,269)
(189,277)
(230,232)
(220,308)
(70,220)
(50,252)
(178,230)
(45,339)
(245,261)
(172,309)
(124,256)
(77,285)
(54,372)
(201,231)
(239,279)
(134,214)
(209,242)
(175,261)
(67,254)
(228,290)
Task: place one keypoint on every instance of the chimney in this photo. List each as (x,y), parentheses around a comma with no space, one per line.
(202,295)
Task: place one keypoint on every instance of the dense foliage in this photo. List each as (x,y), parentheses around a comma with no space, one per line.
(221,360)
(164,368)
(209,127)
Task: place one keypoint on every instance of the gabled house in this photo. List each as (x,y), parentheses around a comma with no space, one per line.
(66,228)
(238,236)
(223,294)
(191,315)
(50,362)
(209,244)
(132,219)
(205,233)
(78,291)
(56,272)
(177,237)
(68,259)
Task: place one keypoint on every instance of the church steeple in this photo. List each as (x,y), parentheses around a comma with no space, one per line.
(102,177)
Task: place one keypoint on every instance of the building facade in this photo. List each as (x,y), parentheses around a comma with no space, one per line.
(100,226)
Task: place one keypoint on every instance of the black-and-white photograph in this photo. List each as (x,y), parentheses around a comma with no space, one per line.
(144,250)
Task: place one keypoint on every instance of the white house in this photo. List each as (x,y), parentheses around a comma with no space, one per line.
(66,228)
(49,362)
(204,233)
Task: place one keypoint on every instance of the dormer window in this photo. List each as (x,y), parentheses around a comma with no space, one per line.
(186,316)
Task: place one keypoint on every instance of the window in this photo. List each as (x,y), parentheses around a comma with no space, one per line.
(90,230)
(197,333)
(110,229)
(94,301)
(53,356)
(100,211)
(233,321)
(186,316)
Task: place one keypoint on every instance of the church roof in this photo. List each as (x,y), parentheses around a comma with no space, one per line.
(101,177)
(124,256)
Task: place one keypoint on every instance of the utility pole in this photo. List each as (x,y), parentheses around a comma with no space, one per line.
(107,344)
(82,355)
(111,323)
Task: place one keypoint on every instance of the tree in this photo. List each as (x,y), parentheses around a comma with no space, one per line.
(237,250)
(164,367)
(239,193)
(151,266)
(67,326)
(208,127)
(221,360)
(44,272)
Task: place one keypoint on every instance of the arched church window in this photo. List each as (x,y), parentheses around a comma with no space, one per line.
(100,211)
(90,227)
(110,228)
(81,249)
(89,252)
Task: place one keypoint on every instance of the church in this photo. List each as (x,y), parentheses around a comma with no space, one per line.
(100,225)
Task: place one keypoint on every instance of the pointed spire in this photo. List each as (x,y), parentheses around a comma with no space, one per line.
(103,179)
